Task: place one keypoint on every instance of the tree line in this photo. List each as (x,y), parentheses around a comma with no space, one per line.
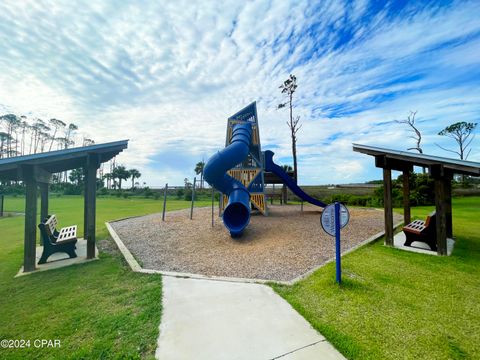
(118,174)
(20,135)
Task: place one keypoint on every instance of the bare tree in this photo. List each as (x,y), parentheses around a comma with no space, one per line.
(289,87)
(460,132)
(410,121)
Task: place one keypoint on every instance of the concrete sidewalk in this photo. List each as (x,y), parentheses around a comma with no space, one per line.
(206,319)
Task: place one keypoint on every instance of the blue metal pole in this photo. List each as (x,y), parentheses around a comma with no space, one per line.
(338,258)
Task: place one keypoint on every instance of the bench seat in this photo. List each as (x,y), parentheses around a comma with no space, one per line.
(55,241)
(423,231)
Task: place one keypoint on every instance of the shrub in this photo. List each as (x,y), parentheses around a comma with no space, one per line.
(180,193)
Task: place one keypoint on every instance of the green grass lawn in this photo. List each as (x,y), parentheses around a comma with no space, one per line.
(395,304)
(97,310)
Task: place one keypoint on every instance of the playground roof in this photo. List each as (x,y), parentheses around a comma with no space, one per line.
(405,158)
(440,169)
(36,171)
(60,160)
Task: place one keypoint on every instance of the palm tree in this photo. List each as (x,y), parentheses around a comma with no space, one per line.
(108,177)
(199,171)
(134,174)
(120,173)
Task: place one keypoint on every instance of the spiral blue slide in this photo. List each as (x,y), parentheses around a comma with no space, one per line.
(287,180)
(236,215)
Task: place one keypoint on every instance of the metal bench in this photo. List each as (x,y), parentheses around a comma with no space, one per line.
(424,231)
(55,241)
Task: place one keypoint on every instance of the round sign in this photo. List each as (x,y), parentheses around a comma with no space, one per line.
(327,220)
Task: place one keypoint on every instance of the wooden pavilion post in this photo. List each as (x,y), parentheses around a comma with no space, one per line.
(29,249)
(448,205)
(91,168)
(441,180)
(43,201)
(388,206)
(406,197)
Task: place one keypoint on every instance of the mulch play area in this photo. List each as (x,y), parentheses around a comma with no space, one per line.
(281,247)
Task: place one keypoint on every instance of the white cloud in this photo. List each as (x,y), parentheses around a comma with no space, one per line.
(167,75)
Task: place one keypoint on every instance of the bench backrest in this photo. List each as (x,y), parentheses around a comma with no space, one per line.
(430,220)
(51,224)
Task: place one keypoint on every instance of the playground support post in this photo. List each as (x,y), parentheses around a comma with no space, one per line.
(193,197)
(220,205)
(164,201)
(2,199)
(338,258)
(213,204)
(301,206)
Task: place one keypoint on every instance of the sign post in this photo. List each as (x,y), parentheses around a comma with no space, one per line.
(334,218)
(338,257)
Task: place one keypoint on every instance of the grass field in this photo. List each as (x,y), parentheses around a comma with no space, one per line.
(401,305)
(97,310)
(392,304)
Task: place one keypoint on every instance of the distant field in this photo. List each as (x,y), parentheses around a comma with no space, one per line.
(325,192)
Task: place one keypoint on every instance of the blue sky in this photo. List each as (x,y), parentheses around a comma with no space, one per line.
(167,74)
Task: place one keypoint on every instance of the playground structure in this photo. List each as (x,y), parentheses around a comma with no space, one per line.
(237,172)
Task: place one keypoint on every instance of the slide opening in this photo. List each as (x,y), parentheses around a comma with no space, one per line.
(236,217)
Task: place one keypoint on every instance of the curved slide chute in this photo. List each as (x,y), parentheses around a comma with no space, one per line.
(274,168)
(236,215)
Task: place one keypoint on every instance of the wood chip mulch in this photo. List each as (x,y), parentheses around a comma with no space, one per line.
(281,246)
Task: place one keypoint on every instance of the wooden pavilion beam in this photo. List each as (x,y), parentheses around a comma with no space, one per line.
(383,161)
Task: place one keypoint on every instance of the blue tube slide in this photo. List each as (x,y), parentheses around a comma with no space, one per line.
(287,180)
(236,215)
